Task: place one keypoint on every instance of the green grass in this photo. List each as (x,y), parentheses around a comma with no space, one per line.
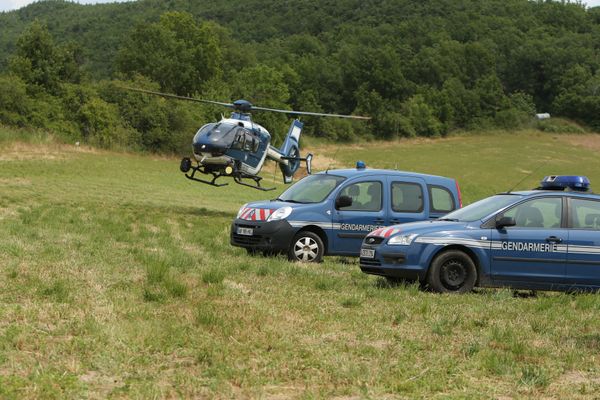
(118,281)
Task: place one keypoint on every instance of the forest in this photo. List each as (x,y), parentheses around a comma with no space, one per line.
(417,67)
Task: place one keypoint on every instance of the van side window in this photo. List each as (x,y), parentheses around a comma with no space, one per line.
(407,197)
(366,196)
(585,214)
(441,199)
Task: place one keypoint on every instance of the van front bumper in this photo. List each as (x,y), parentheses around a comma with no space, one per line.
(273,236)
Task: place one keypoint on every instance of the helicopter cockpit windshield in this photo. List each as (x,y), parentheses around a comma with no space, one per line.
(222,132)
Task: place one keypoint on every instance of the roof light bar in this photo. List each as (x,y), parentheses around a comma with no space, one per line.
(562,182)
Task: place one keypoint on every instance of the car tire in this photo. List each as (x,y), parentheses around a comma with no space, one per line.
(306,247)
(452,271)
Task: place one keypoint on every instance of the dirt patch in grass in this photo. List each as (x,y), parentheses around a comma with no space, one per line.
(578,378)
(101,384)
(20,151)
(590,142)
(7,213)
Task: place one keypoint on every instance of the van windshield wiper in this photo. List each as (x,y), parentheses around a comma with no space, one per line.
(448,219)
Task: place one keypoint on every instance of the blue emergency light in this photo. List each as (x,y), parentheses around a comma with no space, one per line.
(562,182)
(361,165)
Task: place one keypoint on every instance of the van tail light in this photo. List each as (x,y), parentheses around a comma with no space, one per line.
(459,195)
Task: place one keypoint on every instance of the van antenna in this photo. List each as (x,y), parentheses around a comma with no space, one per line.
(529,174)
(333,160)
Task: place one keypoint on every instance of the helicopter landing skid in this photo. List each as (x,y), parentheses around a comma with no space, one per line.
(211,182)
(237,176)
(256,179)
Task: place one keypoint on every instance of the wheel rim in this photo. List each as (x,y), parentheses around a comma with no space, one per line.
(453,274)
(306,249)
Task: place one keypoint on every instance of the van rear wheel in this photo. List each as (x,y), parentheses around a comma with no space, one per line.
(452,271)
(306,247)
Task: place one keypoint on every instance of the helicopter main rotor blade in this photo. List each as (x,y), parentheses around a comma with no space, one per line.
(291,112)
(175,96)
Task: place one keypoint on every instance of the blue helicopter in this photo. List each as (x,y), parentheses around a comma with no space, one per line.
(237,147)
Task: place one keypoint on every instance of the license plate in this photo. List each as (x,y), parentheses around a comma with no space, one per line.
(367,253)
(245,231)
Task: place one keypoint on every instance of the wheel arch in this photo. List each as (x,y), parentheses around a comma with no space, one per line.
(465,250)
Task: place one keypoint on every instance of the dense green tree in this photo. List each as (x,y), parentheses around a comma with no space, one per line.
(176,52)
(416,67)
(579,96)
(39,61)
(421,117)
(15,104)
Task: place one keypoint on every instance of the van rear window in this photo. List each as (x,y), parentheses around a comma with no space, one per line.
(441,199)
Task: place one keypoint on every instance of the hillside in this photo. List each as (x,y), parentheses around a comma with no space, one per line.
(118,280)
(418,68)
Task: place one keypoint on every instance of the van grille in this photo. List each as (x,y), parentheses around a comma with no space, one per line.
(370,262)
(246,240)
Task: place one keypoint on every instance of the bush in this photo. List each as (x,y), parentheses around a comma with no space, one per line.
(559,125)
(15,105)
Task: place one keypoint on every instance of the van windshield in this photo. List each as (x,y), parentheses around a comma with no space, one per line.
(312,189)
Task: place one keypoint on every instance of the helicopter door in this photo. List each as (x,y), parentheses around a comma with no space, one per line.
(246,148)
(245,141)
(239,142)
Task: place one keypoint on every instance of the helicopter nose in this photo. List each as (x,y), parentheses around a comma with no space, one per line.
(207,148)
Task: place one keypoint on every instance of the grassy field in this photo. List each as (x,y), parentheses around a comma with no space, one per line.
(118,281)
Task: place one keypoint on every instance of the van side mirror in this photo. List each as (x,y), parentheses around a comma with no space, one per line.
(343,201)
(502,221)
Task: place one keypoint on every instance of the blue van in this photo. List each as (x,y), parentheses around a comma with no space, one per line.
(331,212)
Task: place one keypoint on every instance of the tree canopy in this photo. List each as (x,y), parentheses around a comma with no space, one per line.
(419,68)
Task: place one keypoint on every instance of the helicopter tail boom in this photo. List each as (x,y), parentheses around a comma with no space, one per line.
(290,152)
(292,138)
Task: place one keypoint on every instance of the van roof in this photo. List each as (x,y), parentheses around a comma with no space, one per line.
(353,172)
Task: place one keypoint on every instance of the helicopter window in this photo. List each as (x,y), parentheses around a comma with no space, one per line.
(221,131)
(239,141)
(252,142)
(203,131)
(244,140)
(249,142)
(312,189)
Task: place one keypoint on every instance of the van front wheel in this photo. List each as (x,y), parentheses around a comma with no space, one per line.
(306,247)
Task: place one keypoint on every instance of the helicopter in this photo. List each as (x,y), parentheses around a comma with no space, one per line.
(237,147)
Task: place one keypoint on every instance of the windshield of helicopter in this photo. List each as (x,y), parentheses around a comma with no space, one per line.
(220,132)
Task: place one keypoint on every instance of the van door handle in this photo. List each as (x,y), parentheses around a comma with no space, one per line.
(553,239)
(395,221)
(379,220)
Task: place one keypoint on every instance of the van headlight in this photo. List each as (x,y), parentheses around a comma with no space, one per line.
(280,213)
(242,208)
(402,240)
